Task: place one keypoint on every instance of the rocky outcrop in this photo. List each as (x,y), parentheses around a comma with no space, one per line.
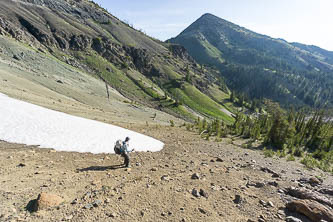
(180,52)
(312,209)
(40,35)
(310,195)
(80,42)
(8,28)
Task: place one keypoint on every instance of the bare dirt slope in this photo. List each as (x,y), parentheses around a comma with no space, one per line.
(158,187)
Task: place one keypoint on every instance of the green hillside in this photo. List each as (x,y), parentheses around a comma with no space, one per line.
(259,66)
(86,36)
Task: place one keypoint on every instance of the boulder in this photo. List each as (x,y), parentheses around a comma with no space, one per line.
(46,200)
(312,209)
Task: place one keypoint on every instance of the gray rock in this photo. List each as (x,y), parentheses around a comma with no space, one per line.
(238,199)
(203,193)
(262,202)
(292,219)
(270,203)
(273,183)
(195,176)
(165,178)
(203,211)
(196,193)
(219,159)
(259,184)
(74,201)
(97,203)
(88,206)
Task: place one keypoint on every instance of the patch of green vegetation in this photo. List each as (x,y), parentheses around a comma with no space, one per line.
(268,152)
(179,110)
(170,73)
(309,162)
(116,78)
(212,51)
(291,158)
(192,97)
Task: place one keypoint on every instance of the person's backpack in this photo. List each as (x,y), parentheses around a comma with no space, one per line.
(118,147)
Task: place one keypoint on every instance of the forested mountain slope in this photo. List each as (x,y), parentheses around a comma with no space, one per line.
(261,66)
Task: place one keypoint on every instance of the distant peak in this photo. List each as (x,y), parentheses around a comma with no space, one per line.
(208,15)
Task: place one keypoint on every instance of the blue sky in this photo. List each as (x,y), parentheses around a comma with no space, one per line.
(304,21)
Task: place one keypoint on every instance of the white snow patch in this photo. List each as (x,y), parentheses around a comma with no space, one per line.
(25,123)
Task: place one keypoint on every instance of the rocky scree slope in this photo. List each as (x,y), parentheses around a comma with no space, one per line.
(143,69)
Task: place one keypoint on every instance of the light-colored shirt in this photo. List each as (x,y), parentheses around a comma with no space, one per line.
(125,147)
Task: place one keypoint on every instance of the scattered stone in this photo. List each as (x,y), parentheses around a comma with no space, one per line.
(16,57)
(97,203)
(107,200)
(59,81)
(262,202)
(88,206)
(154,169)
(255,184)
(267,170)
(195,176)
(196,193)
(74,201)
(21,165)
(113,215)
(165,178)
(219,160)
(292,219)
(203,211)
(238,199)
(259,184)
(203,193)
(280,191)
(270,204)
(273,183)
(69,217)
(312,209)
(313,181)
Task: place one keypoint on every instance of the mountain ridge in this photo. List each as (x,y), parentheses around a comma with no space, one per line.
(239,53)
(86,36)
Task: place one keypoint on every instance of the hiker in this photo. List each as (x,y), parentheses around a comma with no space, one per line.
(124,152)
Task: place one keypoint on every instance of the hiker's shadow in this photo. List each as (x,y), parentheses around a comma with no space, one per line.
(101,168)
